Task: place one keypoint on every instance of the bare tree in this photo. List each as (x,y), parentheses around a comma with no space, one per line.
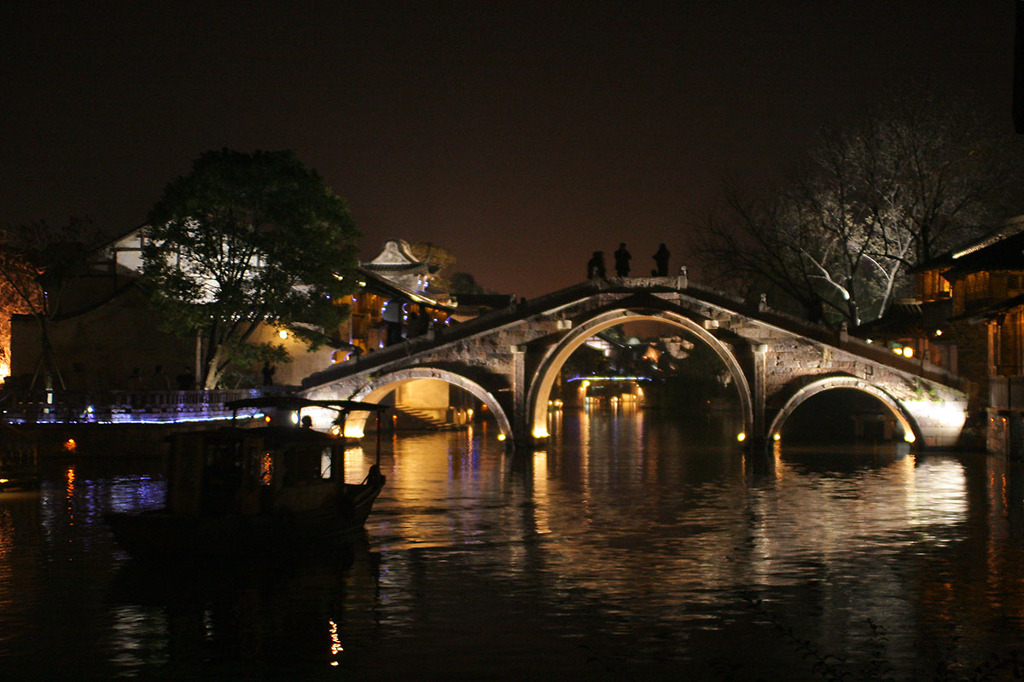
(904,184)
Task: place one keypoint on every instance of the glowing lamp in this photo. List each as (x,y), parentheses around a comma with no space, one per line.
(777,437)
(283,334)
(741,437)
(909,437)
(354,430)
(908,352)
(501,436)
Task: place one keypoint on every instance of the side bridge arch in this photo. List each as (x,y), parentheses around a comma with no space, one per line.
(555,357)
(911,430)
(379,386)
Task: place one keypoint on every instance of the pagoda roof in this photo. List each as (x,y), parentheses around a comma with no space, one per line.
(396,257)
(378,283)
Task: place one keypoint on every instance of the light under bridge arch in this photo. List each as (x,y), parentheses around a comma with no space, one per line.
(911,431)
(551,364)
(380,386)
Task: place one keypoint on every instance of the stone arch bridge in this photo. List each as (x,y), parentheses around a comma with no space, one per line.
(509,359)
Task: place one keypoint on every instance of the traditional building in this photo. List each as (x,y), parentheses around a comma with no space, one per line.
(396,301)
(968,317)
(987,283)
(107,337)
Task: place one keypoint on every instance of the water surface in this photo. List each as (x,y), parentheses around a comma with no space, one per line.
(626,549)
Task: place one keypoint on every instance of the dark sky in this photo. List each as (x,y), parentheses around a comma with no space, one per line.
(521,136)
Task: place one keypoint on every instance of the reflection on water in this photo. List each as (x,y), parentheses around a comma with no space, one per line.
(626,548)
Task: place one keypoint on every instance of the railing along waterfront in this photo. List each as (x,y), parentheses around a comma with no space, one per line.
(113,407)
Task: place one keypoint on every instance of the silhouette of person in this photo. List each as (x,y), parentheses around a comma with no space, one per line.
(661,261)
(622,257)
(268,374)
(595,266)
(186,380)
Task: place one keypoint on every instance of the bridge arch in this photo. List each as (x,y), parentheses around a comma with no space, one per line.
(380,386)
(551,364)
(911,431)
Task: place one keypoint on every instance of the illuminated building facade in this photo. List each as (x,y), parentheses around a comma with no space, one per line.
(987,282)
(107,337)
(968,317)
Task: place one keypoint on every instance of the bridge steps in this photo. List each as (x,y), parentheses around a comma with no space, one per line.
(428,419)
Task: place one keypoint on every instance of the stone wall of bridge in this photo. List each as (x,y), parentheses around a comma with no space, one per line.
(778,362)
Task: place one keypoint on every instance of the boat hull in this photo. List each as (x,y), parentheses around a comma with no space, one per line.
(161,534)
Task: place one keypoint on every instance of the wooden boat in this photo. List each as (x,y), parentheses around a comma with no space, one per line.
(264,490)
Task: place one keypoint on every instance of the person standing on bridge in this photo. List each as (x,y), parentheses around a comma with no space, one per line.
(661,261)
(622,256)
(595,266)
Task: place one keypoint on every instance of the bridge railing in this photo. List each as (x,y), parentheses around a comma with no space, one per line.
(548,302)
(117,406)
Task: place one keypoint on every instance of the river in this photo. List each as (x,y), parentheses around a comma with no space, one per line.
(624,550)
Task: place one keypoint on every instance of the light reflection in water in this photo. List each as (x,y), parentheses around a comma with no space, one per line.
(336,647)
(139,637)
(648,550)
(69,494)
(540,491)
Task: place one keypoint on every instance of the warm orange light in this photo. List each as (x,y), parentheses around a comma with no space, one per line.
(266,418)
(267,469)
(70,445)
(283,334)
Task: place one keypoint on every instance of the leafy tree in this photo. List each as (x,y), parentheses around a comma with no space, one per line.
(244,240)
(38,264)
(438,258)
(443,262)
(907,182)
(464,283)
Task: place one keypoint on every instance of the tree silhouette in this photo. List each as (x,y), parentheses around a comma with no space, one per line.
(244,240)
(38,264)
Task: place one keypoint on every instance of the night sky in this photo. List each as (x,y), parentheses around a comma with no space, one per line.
(520,136)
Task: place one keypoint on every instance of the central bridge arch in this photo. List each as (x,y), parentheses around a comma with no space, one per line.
(557,355)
